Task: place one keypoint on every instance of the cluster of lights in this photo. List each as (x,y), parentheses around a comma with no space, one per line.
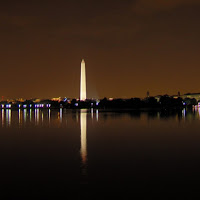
(42,105)
(26,106)
(97,103)
(6,106)
(39,105)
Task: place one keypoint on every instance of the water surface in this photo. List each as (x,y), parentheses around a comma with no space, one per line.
(84,152)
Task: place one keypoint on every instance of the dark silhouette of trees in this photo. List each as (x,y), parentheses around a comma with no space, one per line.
(136,103)
(170,102)
(190,102)
(149,103)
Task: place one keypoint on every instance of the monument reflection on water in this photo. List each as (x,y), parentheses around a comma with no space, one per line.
(83,126)
(83,148)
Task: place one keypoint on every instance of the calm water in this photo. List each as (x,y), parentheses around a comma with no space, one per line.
(87,152)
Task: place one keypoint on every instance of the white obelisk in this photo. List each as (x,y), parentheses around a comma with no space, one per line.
(83,82)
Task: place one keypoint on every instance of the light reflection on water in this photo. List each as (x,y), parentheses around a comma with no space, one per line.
(8,117)
(2,117)
(38,117)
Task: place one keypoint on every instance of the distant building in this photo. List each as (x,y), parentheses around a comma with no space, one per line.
(36,100)
(147,94)
(59,99)
(191,96)
(188,96)
(158,97)
(56,99)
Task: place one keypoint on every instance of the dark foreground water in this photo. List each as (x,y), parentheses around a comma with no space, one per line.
(95,154)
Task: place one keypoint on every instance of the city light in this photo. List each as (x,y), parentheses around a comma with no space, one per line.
(8,105)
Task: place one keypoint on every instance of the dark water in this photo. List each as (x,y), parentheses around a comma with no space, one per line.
(98,154)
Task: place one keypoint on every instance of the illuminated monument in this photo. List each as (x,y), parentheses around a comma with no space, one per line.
(83,82)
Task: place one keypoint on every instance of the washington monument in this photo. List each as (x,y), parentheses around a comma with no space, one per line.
(83,82)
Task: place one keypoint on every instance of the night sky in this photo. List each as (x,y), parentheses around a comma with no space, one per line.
(129,46)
